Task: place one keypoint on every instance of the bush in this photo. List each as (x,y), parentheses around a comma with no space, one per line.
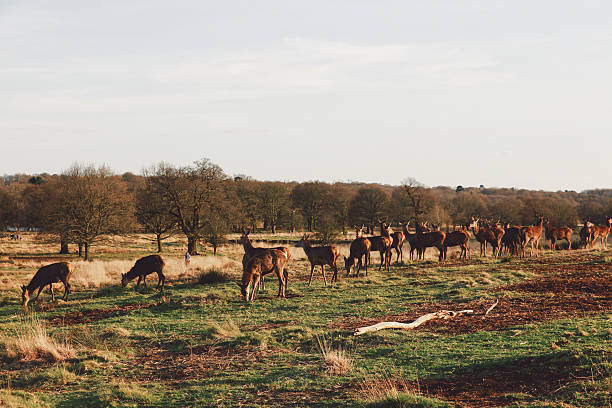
(213,275)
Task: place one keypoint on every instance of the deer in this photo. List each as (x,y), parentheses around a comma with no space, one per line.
(514,240)
(601,232)
(382,244)
(494,237)
(143,267)
(558,234)
(250,251)
(429,239)
(480,235)
(586,233)
(411,237)
(263,263)
(47,275)
(323,255)
(533,234)
(459,238)
(359,248)
(398,243)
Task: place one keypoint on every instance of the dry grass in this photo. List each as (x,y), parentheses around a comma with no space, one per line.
(114,332)
(384,388)
(226,330)
(31,342)
(337,361)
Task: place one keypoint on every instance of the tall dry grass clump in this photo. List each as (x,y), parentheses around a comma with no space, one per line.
(99,273)
(32,342)
(337,361)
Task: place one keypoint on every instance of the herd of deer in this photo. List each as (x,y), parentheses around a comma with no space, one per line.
(258,262)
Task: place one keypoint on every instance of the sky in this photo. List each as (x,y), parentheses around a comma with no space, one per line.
(459,92)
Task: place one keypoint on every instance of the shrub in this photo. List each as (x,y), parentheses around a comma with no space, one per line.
(31,342)
(213,275)
(337,361)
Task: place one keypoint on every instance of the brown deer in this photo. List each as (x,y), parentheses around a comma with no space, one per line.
(460,238)
(360,247)
(514,240)
(558,234)
(586,233)
(601,232)
(533,234)
(398,243)
(429,239)
(494,237)
(47,275)
(382,244)
(412,239)
(323,255)
(480,234)
(250,251)
(143,267)
(263,263)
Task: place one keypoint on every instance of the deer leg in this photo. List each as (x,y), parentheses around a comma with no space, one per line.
(161,280)
(37,294)
(51,290)
(358,266)
(286,276)
(335,276)
(323,270)
(66,290)
(569,241)
(255,286)
(138,283)
(281,283)
(144,280)
(311,272)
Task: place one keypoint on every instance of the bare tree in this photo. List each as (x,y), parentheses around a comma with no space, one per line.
(273,201)
(89,203)
(192,194)
(313,199)
(154,215)
(368,206)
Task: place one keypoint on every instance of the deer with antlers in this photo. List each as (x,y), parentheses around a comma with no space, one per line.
(323,255)
(601,232)
(425,240)
(555,234)
(533,235)
(411,238)
(250,251)
(480,235)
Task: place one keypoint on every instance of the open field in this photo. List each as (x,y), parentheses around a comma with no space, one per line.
(548,343)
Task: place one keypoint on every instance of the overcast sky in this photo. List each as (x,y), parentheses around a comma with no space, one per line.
(500,93)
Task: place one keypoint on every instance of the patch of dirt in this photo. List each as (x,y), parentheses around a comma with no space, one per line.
(92,315)
(196,363)
(568,293)
(488,386)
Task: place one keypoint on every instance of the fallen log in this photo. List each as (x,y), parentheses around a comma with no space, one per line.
(441,314)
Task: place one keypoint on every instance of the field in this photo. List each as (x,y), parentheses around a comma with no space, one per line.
(548,342)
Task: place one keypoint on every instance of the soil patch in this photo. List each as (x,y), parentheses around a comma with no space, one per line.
(571,294)
(92,315)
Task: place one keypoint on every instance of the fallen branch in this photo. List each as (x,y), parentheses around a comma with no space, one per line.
(442,314)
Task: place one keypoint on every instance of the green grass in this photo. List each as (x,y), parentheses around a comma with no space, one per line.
(202,345)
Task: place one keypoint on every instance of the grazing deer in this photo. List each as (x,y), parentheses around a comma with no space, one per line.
(480,235)
(323,255)
(263,263)
(360,247)
(601,232)
(586,233)
(557,234)
(47,275)
(250,251)
(459,238)
(429,239)
(143,267)
(533,234)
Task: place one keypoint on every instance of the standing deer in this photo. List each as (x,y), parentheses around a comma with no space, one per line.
(412,239)
(459,238)
(514,240)
(398,243)
(250,251)
(47,275)
(360,247)
(263,263)
(430,239)
(143,267)
(557,234)
(494,236)
(586,233)
(480,234)
(323,255)
(533,234)
(601,232)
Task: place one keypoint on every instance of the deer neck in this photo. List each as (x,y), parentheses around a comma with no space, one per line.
(247,245)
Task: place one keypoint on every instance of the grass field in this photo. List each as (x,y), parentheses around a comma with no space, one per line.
(548,343)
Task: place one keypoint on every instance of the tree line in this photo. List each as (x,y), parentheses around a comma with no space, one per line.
(204,204)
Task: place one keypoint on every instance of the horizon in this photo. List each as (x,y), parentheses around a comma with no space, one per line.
(511,94)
